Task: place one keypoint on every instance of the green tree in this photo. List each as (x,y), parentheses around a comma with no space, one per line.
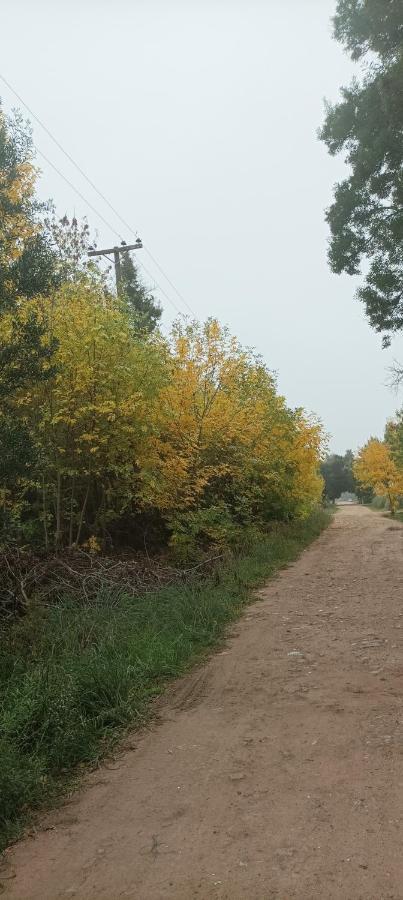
(35,271)
(33,261)
(38,252)
(394,438)
(366,126)
(18,207)
(24,360)
(56,254)
(140,302)
(337,473)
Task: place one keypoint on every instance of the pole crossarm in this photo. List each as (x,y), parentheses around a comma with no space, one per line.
(137,246)
(124,248)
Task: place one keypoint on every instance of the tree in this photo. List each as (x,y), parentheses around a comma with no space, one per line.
(140,302)
(191,435)
(23,357)
(365,494)
(376,468)
(57,254)
(89,419)
(38,252)
(366,218)
(394,438)
(18,209)
(337,472)
(102,421)
(224,444)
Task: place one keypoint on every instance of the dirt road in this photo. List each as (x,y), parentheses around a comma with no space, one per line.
(276,770)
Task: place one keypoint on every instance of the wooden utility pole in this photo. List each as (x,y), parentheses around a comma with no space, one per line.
(124,248)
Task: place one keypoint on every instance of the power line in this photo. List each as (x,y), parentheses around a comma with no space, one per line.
(70,183)
(105,221)
(108,225)
(116,259)
(150,275)
(96,189)
(169,280)
(69,157)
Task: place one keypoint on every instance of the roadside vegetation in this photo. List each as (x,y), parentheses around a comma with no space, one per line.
(147,483)
(75,674)
(364,127)
(112,434)
(379,467)
(374,475)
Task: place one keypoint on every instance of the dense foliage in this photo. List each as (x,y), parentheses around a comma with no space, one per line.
(140,303)
(114,437)
(127,423)
(116,427)
(366,126)
(338,476)
(376,468)
(379,464)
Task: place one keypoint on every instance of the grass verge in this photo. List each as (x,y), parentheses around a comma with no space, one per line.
(386,513)
(74,676)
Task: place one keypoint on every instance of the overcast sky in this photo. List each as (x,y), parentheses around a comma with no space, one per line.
(198,120)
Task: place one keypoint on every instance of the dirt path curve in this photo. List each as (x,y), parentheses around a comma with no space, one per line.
(276,770)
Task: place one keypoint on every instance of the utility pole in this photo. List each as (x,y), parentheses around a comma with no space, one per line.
(124,248)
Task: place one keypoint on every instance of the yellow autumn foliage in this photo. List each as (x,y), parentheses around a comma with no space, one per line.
(109,431)
(131,425)
(89,419)
(375,467)
(17,184)
(222,432)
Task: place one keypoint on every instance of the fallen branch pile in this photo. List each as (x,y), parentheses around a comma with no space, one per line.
(84,577)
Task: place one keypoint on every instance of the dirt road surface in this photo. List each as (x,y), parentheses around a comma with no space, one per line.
(275,770)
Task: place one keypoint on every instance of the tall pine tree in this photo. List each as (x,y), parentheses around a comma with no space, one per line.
(141,304)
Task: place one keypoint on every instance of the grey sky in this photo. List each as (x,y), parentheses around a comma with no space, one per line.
(198,121)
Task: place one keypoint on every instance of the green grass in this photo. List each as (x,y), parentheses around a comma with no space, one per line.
(74,677)
(386,512)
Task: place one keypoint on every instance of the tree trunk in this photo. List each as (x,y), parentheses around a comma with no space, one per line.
(45,512)
(82,514)
(58,535)
(71,511)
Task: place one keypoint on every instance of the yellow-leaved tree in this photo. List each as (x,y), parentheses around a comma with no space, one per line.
(375,467)
(17,184)
(89,420)
(190,434)
(225,449)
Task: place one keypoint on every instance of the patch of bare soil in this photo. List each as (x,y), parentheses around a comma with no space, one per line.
(275,771)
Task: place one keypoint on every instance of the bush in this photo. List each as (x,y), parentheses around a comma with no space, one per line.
(196,531)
